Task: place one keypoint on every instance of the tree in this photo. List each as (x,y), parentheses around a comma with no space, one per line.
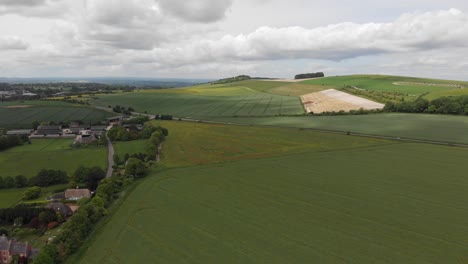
(21,181)
(3,231)
(95,175)
(43,258)
(135,167)
(35,124)
(80,174)
(2,183)
(48,216)
(18,221)
(9,182)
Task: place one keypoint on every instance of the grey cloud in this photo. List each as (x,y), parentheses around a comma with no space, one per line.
(12,43)
(197,10)
(22,2)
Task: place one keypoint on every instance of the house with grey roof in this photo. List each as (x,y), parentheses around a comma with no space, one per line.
(49,130)
(61,208)
(11,247)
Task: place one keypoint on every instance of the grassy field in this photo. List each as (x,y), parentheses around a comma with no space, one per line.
(57,154)
(418,126)
(353,200)
(22,115)
(130,147)
(407,85)
(11,197)
(182,104)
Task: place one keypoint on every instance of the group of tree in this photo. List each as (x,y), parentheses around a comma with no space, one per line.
(232,79)
(444,105)
(121,133)
(9,141)
(309,75)
(47,178)
(22,214)
(123,110)
(90,176)
(44,178)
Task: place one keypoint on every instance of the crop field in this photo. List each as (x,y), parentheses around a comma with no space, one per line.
(407,85)
(56,154)
(16,115)
(417,126)
(353,200)
(192,143)
(188,105)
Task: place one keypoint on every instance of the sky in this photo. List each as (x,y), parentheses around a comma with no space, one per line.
(222,38)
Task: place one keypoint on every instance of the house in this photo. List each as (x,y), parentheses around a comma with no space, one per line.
(19,132)
(77,194)
(135,127)
(11,247)
(56,197)
(61,208)
(49,130)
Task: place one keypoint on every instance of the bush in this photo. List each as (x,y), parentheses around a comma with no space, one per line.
(32,193)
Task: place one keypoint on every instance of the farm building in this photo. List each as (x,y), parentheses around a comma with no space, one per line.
(75,129)
(86,138)
(77,194)
(61,208)
(49,130)
(11,247)
(20,132)
(98,130)
(116,120)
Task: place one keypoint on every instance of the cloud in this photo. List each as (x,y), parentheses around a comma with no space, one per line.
(12,43)
(409,33)
(35,8)
(22,2)
(204,11)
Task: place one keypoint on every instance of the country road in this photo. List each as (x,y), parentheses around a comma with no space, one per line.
(110,156)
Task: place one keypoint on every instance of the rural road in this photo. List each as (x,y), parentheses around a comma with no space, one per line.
(110,156)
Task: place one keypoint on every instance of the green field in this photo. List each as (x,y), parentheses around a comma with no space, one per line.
(445,128)
(183,104)
(131,147)
(409,85)
(57,154)
(438,94)
(22,115)
(337,199)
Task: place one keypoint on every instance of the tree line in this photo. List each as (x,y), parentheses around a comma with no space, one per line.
(444,105)
(9,141)
(309,75)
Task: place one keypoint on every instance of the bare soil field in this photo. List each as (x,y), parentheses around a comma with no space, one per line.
(332,100)
(18,106)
